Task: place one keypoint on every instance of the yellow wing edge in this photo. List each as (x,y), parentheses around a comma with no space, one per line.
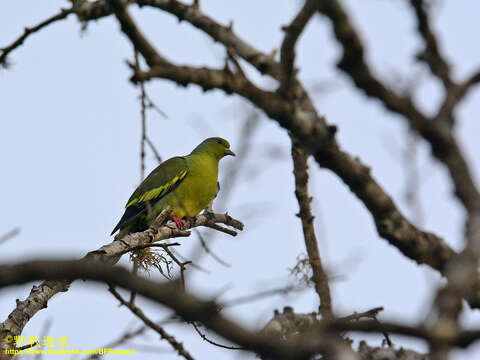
(159,191)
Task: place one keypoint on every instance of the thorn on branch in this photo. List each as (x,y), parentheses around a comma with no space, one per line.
(332,130)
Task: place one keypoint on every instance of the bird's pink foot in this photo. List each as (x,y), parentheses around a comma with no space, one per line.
(179,222)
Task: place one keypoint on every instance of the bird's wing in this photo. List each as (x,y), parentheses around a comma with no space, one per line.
(162,180)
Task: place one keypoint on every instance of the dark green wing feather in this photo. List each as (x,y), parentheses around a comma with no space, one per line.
(162,180)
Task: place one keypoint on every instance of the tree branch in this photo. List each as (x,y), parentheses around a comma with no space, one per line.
(110,253)
(423,247)
(316,137)
(462,275)
(453,97)
(177,346)
(436,131)
(431,55)
(320,278)
(223,34)
(29,31)
(383,353)
(185,305)
(292,33)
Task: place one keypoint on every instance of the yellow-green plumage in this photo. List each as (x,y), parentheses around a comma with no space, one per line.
(188,183)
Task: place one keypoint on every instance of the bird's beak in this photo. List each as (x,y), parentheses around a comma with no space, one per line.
(229,152)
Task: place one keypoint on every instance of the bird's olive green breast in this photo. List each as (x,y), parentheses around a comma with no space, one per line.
(197,189)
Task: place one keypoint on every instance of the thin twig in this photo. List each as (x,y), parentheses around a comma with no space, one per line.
(28,346)
(9,235)
(151,104)
(221,229)
(385,334)
(143,117)
(209,251)
(204,337)
(151,324)
(30,30)
(154,150)
(436,62)
(127,335)
(366,314)
(181,265)
(261,295)
(292,33)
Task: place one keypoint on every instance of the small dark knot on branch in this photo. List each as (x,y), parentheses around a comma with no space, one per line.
(332,130)
(213,308)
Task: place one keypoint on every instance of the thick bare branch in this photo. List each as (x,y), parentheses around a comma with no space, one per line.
(223,34)
(436,131)
(320,278)
(423,247)
(192,14)
(151,56)
(187,306)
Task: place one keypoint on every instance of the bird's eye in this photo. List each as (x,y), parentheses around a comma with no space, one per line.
(219,142)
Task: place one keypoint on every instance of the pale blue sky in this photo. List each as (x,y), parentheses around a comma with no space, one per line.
(69,149)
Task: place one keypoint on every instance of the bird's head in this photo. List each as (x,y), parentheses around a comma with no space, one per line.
(215,146)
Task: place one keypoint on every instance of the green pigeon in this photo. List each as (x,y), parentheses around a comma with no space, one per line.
(188,183)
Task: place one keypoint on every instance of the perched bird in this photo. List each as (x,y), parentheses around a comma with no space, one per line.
(188,183)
